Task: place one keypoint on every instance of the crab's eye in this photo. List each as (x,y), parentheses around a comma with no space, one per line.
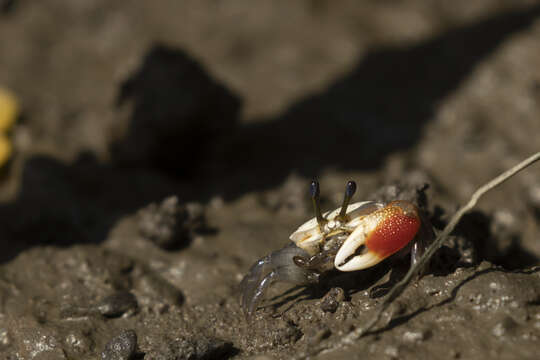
(314,189)
(350,189)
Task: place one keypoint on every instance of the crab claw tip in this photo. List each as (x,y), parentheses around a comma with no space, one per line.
(358,262)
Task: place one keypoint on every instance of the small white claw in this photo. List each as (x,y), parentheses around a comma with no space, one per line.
(360,262)
(351,244)
(308,236)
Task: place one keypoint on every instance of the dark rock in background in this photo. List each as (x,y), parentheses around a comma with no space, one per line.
(332,299)
(170,224)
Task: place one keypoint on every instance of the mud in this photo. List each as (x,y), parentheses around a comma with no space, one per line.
(164,147)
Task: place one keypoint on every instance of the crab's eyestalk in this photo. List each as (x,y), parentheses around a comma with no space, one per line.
(350,189)
(314,190)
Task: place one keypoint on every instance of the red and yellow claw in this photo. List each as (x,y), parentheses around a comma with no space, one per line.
(379,235)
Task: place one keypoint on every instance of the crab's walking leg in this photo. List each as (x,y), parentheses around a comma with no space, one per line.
(278,266)
(423,239)
(253,291)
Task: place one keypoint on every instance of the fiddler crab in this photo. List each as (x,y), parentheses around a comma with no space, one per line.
(353,237)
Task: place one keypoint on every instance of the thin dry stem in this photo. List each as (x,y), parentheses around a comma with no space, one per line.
(437,243)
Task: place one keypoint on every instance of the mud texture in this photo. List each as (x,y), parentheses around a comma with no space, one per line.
(164,147)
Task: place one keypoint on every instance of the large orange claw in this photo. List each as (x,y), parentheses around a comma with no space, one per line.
(379,235)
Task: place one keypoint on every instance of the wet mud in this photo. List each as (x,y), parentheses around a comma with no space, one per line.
(163,148)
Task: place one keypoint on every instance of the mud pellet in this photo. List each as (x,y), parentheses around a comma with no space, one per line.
(416,336)
(392,352)
(121,347)
(319,335)
(5,340)
(503,327)
(77,343)
(332,299)
(117,304)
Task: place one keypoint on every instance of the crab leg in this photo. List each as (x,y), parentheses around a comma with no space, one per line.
(277,266)
(423,239)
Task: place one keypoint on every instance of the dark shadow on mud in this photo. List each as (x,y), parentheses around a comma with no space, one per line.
(77,204)
(7,6)
(177,111)
(390,272)
(378,108)
(350,282)
(182,136)
(494,243)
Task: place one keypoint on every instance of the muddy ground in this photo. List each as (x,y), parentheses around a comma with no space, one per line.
(219,113)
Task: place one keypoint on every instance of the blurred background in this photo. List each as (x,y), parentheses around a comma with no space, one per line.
(108,106)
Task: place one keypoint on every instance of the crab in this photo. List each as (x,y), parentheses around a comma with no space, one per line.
(353,237)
